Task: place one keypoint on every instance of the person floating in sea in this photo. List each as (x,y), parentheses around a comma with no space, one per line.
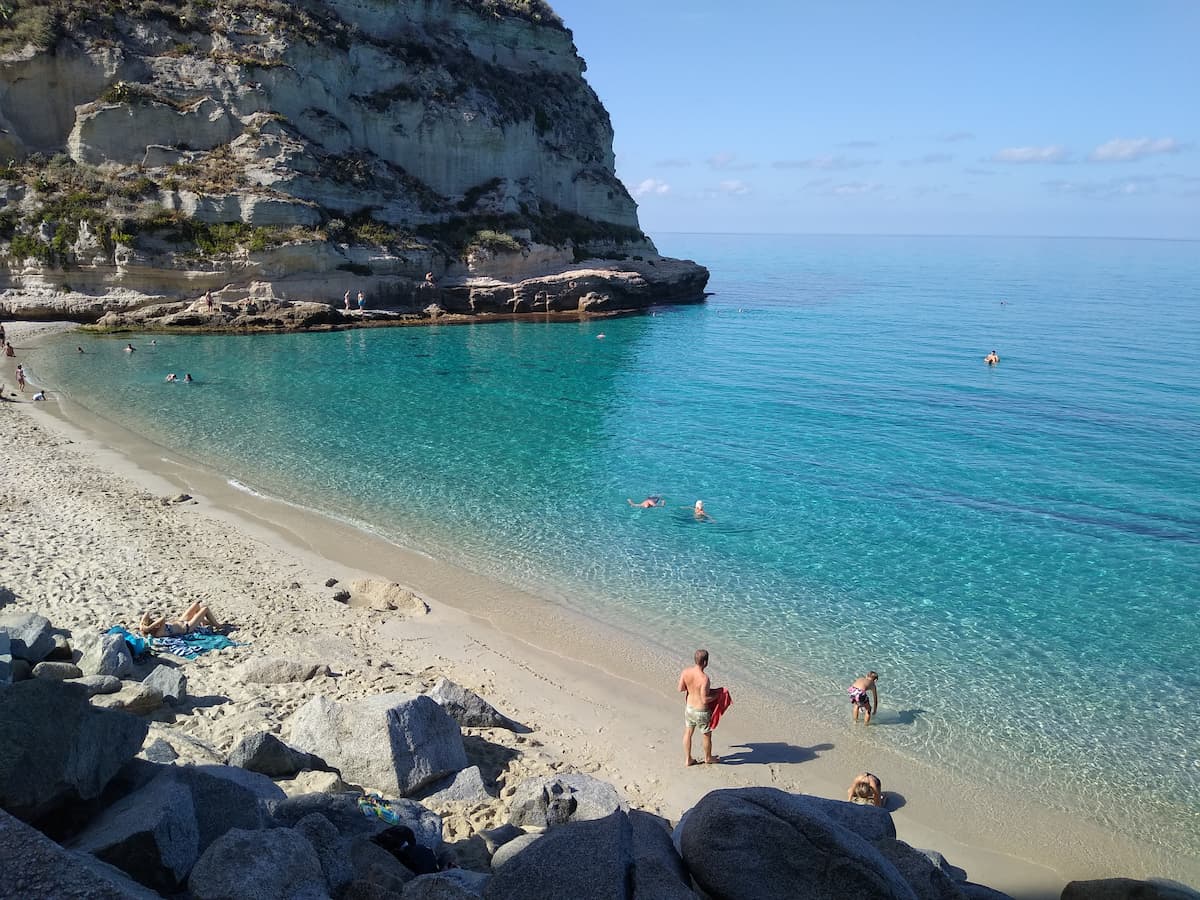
(992,358)
(859,698)
(187,379)
(697,712)
(649,503)
(129,348)
(80,349)
(701,513)
(172,377)
(866,790)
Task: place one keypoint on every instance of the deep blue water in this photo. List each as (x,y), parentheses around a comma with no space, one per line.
(1016,550)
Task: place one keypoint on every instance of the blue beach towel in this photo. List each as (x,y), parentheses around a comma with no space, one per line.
(139,647)
(189,646)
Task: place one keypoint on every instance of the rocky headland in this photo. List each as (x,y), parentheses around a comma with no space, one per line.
(277,153)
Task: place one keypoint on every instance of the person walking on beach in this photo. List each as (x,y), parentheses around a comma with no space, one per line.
(696,713)
(21,378)
(859,698)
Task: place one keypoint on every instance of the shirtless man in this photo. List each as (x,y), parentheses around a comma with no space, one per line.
(695,683)
(649,503)
(858,696)
(992,358)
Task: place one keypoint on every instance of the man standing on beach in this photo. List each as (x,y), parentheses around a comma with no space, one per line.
(858,695)
(696,713)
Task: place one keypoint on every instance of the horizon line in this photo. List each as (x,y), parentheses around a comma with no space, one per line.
(1054,237)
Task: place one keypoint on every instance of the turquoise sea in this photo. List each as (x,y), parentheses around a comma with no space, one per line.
(1015,549)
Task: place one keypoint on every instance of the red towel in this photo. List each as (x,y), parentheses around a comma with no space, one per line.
(720,701)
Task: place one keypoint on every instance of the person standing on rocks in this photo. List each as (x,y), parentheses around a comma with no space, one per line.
(362,301)
(346,302)
(858,696)
(696,712)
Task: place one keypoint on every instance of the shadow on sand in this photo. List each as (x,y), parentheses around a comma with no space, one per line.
(767,752)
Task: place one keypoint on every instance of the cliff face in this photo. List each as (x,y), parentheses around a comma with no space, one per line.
(160,147)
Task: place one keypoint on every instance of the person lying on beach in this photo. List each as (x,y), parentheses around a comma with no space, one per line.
(866,790)
(194,616)
(859,698)
(650,502)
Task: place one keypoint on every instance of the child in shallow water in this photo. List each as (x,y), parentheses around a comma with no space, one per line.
(193,617)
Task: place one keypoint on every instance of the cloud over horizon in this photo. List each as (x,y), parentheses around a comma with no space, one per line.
(1130,149)
(651,187)
(1052,154)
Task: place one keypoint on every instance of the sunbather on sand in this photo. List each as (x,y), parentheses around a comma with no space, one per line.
(193,617)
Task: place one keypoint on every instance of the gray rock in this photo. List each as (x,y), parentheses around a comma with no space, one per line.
(592,859)
(35,866)
(331,850)
(151,834)
(926,879)
(265,753)
(658,871)
(133,697)
(423,744)
(512,848)
(1127,889)
(62,650)
(157,831)
(103,654)
(374,865)
(953,872)
(21,670)
(313,783)
(469,709)
(30,636)
(462,787)
(556,799)
(256,865)
(495,838)
(368,890)
(761,842)
(159,751)
(190,750)
(57,671)
(270,670)
(168,681)
(55,749)
(5,658)
(340,809)
(972,891)
(453,884)
(99,684)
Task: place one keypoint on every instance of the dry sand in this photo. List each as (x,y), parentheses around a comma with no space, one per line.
(90,540)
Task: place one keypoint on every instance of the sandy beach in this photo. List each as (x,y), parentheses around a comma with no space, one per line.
(91,539)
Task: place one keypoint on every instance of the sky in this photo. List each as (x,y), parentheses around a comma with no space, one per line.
(1058,117)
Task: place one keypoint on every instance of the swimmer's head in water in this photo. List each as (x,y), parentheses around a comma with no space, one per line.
(699,506)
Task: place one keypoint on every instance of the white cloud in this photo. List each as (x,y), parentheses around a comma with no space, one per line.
(1130,149)
(1053,153)
(734,187)
(854,188)
(651,187)
(729,162)
(824,163)
(1112,187)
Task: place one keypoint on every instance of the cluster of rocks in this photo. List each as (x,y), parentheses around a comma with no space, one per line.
(96,801)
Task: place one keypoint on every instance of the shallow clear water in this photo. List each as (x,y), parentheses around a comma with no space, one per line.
(1016,550)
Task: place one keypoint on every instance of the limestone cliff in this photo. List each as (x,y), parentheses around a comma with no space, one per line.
(294,150)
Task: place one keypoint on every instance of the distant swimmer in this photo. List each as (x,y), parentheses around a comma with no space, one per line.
(80,349)
(700,513)
(992,358)
(172,377)
(649,503)
(187,379)
(600,336)
(129,348)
